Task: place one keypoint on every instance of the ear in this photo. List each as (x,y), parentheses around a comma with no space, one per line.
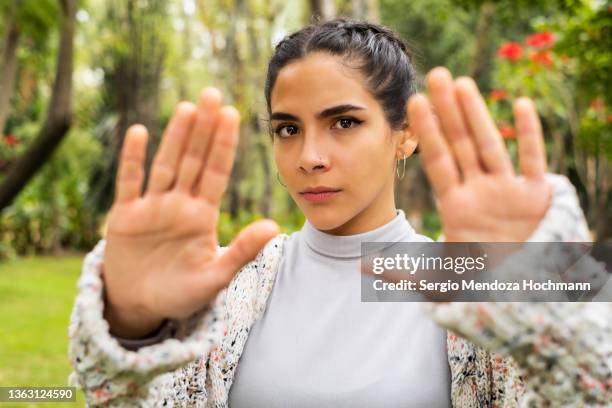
(408,142)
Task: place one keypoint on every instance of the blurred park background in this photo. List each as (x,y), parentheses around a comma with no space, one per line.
(74,74)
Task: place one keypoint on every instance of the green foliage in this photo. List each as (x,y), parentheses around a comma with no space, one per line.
(432,226)
(38,17)
(51,213)
(290,221)
(228,228)
(596,131)
(569,80)
(34,17)
(437,32)
(586,36)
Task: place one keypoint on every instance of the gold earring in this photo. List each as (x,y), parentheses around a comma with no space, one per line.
(403,168)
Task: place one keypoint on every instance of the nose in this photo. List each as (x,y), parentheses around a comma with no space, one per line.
(312,157)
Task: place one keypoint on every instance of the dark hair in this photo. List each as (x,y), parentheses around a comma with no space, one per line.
(376,51)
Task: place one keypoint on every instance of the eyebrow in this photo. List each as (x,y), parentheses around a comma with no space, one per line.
(334,110)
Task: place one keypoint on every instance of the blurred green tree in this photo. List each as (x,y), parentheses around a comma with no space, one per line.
(59,113)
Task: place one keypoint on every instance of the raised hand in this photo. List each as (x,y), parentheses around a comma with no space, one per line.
(480,199)
(161,258)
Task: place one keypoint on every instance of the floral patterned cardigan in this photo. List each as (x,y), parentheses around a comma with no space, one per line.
(500,354)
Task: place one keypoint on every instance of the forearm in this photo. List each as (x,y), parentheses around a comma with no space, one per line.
(108,372)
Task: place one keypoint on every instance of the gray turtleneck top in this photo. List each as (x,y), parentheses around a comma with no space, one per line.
(318,345)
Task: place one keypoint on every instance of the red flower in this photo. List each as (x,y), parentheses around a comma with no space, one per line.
(10,140)
(511,51)
(597,104)
(541,40)
(506,131)
(498,94)
(542,57)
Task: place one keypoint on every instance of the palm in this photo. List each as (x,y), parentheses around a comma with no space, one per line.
(182,215)
(161,258)
(171,238)
(479,196)
(480,210)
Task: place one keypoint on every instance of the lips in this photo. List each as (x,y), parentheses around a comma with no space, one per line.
(320,194)
(320,189)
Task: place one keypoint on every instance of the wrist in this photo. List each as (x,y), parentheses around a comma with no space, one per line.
(166,330)
(129,324)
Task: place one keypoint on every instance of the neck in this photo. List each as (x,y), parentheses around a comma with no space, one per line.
(374,216)
(350,246)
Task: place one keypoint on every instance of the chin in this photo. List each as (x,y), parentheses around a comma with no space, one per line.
(326,219)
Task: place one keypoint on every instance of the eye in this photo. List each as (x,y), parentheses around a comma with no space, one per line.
(346,123)
(285,131)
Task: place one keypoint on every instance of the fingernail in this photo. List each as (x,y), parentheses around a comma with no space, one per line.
(524,103)
(137,129)
(441,72)
(185,107)
(228,111)
(211,94)
(466,82)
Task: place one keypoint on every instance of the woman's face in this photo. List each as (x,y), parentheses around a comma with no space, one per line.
(330,131)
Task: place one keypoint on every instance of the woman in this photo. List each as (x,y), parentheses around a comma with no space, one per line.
(337,96)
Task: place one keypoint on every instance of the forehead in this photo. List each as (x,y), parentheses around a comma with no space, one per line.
(316,82)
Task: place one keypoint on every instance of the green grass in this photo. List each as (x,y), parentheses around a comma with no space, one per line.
(36,297)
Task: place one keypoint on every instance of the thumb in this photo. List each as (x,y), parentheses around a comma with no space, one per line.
(244,248)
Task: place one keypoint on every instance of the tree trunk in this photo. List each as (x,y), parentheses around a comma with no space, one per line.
(481,59)
(133,80)
(8,69)
(323,9)
(187,46)
(59,115)
(260,50)
(236,84)
(600,195)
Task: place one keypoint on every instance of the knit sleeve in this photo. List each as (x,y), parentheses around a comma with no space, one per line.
(112,375)
(564,350)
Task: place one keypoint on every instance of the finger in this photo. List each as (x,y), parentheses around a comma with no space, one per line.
(532,155)
(440,83)
(165,163)
(435,152)
(243,249)
(490,145)
(130,174)
(194,156)
(221,157)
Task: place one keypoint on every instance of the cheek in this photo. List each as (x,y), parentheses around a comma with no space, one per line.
(371,163)
(281,159)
